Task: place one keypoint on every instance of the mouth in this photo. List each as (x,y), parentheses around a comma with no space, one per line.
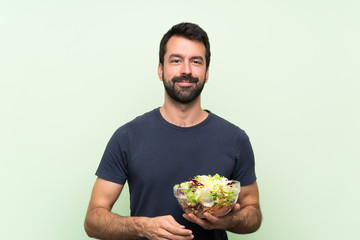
(185,83)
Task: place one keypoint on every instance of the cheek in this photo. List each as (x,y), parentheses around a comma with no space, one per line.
(170,73)
(200,74)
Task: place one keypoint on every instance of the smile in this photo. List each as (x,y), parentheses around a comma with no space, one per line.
(185,83)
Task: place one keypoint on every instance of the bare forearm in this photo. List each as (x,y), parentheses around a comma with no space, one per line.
(247,220)
(103,224)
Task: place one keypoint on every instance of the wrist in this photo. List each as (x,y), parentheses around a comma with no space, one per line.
(247,220)
(139,226)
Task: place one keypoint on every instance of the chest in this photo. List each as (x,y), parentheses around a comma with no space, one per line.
(168,160)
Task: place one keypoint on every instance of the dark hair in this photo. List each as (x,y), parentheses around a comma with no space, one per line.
(187,30)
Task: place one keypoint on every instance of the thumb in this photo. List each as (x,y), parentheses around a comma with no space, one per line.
(236,208)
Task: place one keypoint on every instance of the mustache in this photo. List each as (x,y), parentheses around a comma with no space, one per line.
(187,78)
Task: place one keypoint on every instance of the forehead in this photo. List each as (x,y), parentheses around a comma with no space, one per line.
(184,46)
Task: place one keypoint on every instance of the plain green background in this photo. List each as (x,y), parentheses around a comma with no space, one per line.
(287,72)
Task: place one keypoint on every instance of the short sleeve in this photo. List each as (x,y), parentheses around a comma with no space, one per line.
(114,162)
(245,162)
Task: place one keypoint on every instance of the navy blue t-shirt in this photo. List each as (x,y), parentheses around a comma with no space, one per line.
(153,155)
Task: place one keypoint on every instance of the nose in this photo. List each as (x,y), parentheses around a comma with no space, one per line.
(186,68)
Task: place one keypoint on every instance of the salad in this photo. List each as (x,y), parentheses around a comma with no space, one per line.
(205,193)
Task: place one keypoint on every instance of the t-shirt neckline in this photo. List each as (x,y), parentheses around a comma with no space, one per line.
(199,125)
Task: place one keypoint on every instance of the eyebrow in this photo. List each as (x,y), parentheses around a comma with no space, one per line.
(180,56)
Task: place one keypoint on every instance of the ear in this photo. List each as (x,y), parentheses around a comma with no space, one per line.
(207,75)
(160,71)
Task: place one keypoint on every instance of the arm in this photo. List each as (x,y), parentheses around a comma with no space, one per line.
(100,222)
(248,219)
(245,217)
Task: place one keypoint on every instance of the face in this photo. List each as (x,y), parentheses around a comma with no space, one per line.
(184,73)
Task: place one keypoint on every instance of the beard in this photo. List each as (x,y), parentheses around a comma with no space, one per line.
(183,94)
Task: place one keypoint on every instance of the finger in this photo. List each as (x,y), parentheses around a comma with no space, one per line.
(175,228)
(211,218)
(192,218)
(172,236)
(187,217)
(174,222)
(236,208)
(178,231)
(166,234)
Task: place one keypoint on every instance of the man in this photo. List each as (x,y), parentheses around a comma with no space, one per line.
(168,145)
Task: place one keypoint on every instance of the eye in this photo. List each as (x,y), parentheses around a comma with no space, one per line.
(197,62)
(175,60)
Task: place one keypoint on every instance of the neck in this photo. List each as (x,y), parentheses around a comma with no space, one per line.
(183,115)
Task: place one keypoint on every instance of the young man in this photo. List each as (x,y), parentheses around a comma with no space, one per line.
(168,145)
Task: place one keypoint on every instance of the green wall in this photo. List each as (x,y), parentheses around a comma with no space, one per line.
(287,72)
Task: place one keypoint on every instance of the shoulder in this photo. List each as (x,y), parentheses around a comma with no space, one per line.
(222,122)
(228,128)
(135,125)
(225,124)
(141,119)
